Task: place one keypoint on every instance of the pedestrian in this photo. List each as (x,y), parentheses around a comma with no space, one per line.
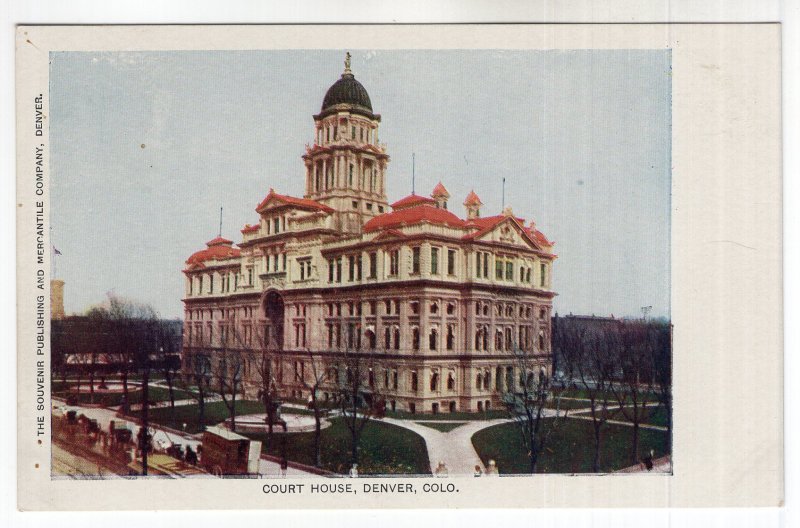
(284,467)
(354,471)
(491,470)
(478,471)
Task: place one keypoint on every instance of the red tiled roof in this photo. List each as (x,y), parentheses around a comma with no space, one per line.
(412,200)
(291,200)
(440,190)
(413,215)
(488,223)
(250,228)
(219,241)
(472,199)
(538,236)
(218,249)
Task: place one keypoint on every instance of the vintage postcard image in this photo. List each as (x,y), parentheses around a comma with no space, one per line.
(280,273)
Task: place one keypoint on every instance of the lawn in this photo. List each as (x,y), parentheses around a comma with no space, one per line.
(648,415)
(569,448)
(385,449)
(567,404)
(444,427)
(492,414)
(215,412)
(155,394)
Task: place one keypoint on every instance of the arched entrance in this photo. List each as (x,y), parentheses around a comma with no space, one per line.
(273,312)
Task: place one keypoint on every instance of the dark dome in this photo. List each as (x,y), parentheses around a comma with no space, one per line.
(348,91)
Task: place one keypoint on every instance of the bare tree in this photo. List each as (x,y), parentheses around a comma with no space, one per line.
(589,366)
(228,371)
(197,382)
(358,395)
(169,358)
(317,376)
(632,389)
(527,401)
(659,341)
(256,345)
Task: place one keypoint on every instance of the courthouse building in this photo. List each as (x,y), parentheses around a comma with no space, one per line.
(437,302)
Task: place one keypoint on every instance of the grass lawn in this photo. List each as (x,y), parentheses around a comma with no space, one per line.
(155,394)
(465,416)
(649,415)
(567,404)
(444,427)
(385,449)
(569,448)
(215,412)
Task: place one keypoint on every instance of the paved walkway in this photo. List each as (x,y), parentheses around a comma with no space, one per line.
(454,448)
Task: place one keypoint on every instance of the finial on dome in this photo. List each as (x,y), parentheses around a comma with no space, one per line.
(347,64)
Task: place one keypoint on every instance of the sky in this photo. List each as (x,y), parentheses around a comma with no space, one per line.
(147,146)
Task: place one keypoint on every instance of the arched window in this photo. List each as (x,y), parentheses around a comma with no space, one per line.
(414,381)
(498,378)
(396,338)
(478,381)
(433,339)
(498,339)
(450,337)
(415,338)
(435,381)
(387,338)
(451,381)
(487,379)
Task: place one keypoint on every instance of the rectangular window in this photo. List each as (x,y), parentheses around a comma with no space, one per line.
(339,269)
(394,262)
(543,269)
(509,271)
(211,284)
(276,225)
(330,270)
(451,261)
(434,261)
(352,268)
(485,265)
(350,176)
(478,264)
(498,269)
(415,260)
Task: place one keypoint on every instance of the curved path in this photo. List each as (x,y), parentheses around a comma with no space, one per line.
(454,447)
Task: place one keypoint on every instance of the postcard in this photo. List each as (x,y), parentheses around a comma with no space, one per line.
(399,266)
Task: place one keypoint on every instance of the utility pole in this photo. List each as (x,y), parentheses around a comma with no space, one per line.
(220,221)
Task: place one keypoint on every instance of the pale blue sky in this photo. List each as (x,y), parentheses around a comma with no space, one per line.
(582,138)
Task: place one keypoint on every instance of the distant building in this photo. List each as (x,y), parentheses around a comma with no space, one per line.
(57,299)
(437,300)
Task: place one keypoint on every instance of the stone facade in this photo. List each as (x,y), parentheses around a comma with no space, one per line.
(438,305)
